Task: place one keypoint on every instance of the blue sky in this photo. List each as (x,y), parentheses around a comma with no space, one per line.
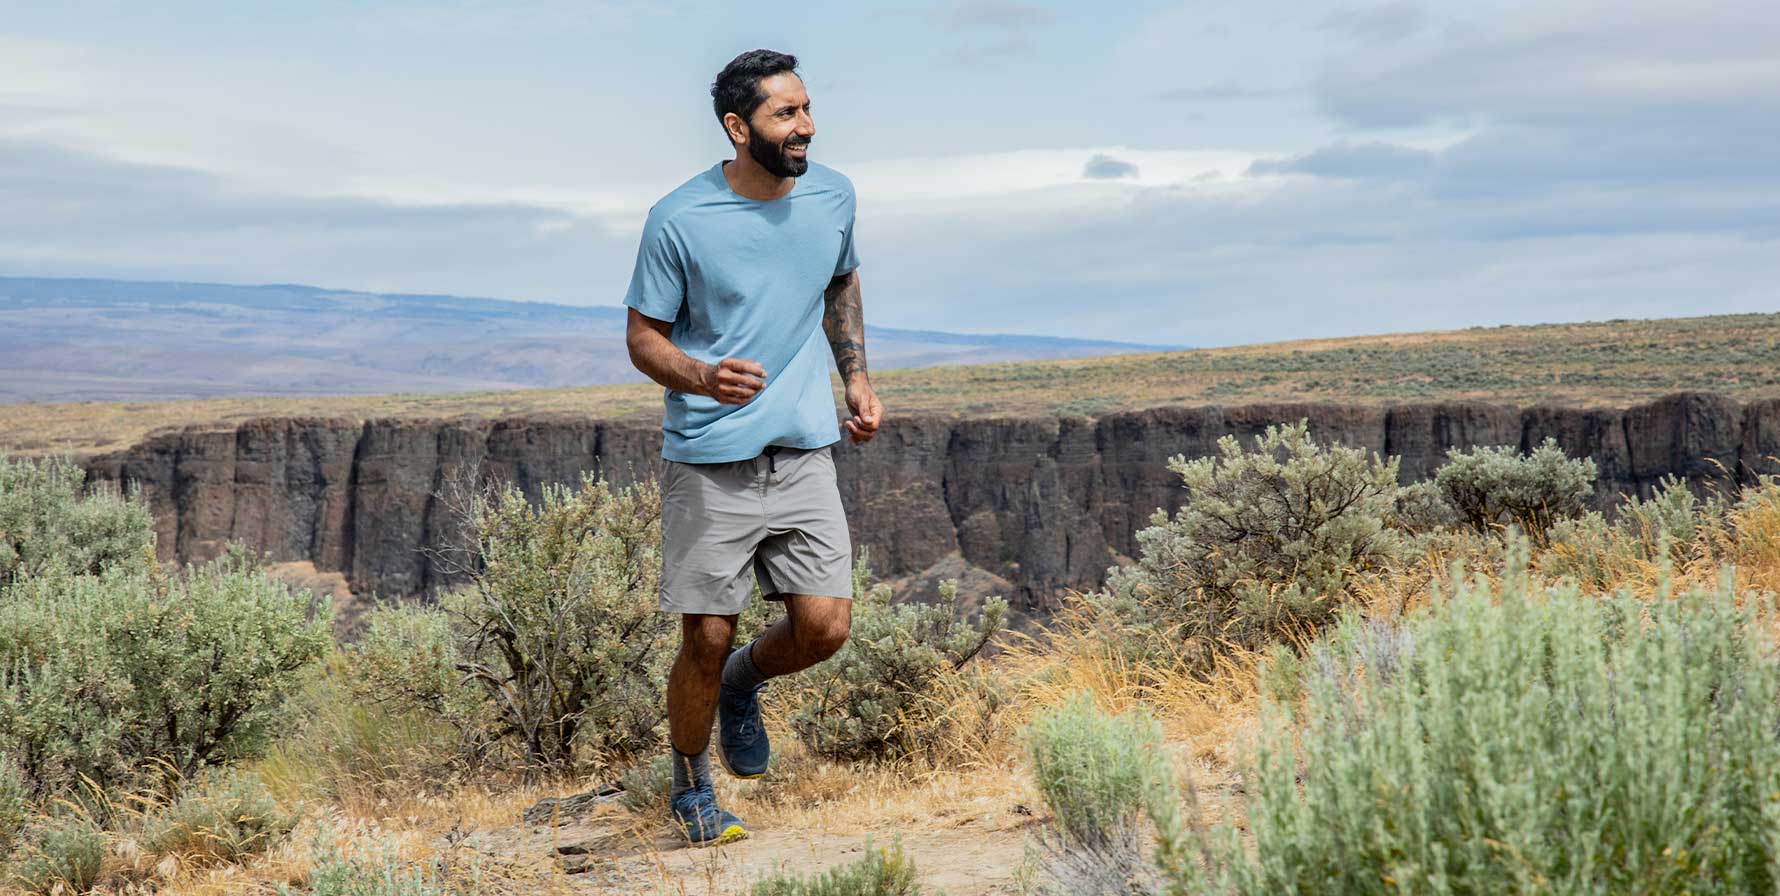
(1203,173)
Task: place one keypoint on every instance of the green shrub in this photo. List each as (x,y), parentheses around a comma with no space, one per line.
(339,746)
(368,868)
(647,784)
(880,872)
(226,817)
(1268,542)
(15,804)
(1099,775)
(1665,530)
(100,675)
(48,526)
(1492,487)
(556,648)
(59,854)
(873,699)
(1507,742)
(1422,509)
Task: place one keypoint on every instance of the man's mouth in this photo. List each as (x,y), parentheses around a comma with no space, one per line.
(799,148)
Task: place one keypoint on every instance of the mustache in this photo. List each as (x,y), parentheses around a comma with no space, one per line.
(789,143)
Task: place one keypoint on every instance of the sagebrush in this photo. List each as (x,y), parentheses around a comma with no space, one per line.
(556,649)
(1495,486)
(129,678)
(876,696)
(1518,739)
(1267,545)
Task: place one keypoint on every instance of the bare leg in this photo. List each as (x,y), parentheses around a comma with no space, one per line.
(692,685)
(814,628)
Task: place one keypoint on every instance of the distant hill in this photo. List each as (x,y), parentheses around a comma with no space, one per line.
(121,340)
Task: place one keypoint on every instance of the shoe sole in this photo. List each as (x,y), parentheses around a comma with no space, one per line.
(724,761)
(730,835)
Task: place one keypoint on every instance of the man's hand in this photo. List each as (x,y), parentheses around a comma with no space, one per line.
(862,400)
(733,380)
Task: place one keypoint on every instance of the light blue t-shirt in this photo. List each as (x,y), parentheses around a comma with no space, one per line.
(745,278)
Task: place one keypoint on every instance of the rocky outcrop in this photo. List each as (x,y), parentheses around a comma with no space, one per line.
(1044,503)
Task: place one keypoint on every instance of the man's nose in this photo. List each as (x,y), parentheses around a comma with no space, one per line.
(806,126)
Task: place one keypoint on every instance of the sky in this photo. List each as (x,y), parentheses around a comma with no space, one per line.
(1192,173)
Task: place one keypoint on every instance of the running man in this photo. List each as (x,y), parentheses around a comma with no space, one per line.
(745,281)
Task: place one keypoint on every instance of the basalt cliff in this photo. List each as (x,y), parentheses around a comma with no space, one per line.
(1032,505)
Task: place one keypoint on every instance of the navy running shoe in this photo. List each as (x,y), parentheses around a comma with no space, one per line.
(742,746)
(696,812)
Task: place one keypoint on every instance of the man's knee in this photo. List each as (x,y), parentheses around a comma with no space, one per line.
(824,635)
(705,640)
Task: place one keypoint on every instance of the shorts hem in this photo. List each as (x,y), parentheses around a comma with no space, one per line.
(811,591)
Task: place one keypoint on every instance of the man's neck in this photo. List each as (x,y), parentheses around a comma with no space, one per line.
(746,178)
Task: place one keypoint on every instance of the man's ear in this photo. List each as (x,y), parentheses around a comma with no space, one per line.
(737,128)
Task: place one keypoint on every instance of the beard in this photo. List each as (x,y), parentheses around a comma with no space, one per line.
(772,156)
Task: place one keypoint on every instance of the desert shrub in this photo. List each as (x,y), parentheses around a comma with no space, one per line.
(1268,544)
(880,872)
(224,817)
(353,751)
(647,784)
(15,804)
(1511,741)
(1099,775)
(1672,528)
(49,525)
(1492,487)
(1422,508)
(370,867)
(102,675)
(58,854)
(874,698)
(556,647)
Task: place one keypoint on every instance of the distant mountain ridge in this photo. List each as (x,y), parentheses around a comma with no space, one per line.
(120,340)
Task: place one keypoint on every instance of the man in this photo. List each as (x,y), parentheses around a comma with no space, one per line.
(745,281)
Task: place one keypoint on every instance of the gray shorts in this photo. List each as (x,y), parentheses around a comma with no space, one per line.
(778,513)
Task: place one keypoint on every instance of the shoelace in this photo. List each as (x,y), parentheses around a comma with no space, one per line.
(750,724)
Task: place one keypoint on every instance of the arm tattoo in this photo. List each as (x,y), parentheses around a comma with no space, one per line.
(844,322)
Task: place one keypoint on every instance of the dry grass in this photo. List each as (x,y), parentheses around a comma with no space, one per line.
(1595,364)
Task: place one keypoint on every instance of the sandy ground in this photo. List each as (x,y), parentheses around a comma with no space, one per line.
(973,850)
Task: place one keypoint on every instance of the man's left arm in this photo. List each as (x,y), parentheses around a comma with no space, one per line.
(844,321)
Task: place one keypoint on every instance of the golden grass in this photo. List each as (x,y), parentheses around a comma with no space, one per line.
(1593,364)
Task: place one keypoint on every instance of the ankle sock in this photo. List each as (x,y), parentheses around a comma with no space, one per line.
(690,771)
(739,670)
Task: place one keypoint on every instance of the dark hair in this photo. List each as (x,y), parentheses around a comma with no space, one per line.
(737,88)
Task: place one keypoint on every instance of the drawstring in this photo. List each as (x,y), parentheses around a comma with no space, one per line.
(771,465)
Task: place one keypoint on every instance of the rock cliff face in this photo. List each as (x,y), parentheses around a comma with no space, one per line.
(1046,504)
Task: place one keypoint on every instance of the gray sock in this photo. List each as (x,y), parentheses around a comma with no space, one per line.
(739,670)
(690,771)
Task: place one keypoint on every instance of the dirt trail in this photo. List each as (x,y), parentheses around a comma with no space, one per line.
(610,850)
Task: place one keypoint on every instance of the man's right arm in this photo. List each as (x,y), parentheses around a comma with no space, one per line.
(730,381)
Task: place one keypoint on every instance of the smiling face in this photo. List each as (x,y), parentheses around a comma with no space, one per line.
(778,134)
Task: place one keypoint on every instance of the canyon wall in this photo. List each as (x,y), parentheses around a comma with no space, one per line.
(1045,504)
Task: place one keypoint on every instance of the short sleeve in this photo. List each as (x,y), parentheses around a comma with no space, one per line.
(849,257)
(658,283)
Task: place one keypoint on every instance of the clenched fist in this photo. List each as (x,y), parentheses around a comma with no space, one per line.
(733,380)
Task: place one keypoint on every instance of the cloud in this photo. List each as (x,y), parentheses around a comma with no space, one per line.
(1351,160)
(1101,166)
(1588,64)
(1221,92)
(991,31)
(1378,23)
(64,212)
(997,14)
